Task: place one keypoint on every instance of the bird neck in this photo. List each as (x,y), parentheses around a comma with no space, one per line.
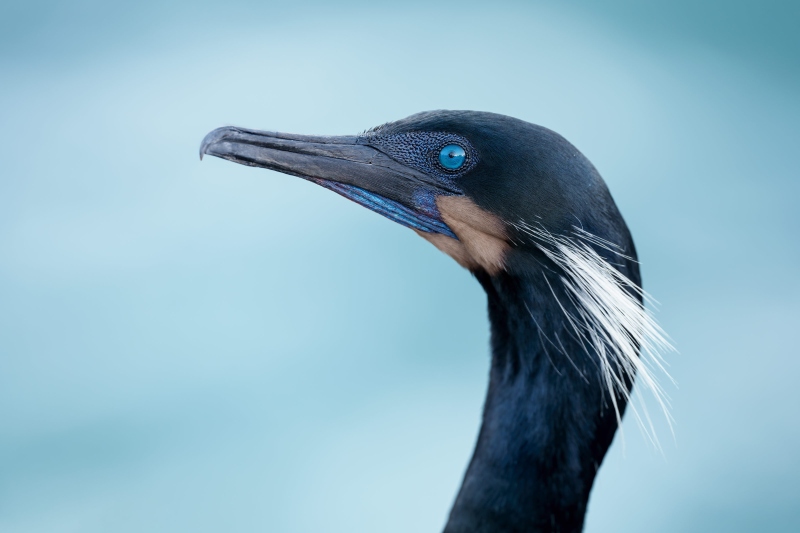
(547,421)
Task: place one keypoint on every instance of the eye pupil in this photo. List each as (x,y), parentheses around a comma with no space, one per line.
(452,157)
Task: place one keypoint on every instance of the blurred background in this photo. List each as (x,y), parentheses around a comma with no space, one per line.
(191,346)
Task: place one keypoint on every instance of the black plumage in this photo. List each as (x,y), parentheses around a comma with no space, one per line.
(519,196)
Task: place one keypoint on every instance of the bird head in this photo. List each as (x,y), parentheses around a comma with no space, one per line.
(484,188)
(513,202)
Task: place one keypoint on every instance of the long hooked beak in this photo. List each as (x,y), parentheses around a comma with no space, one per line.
(346,165)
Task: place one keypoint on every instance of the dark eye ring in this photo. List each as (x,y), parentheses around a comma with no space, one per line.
(452,157)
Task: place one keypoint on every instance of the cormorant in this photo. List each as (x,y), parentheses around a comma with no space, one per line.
(531,218)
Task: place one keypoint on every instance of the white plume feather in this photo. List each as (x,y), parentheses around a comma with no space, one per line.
(609,318)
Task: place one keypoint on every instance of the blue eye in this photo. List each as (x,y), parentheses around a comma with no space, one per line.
(452,157)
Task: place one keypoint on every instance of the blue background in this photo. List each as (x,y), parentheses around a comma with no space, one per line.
(191,346)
